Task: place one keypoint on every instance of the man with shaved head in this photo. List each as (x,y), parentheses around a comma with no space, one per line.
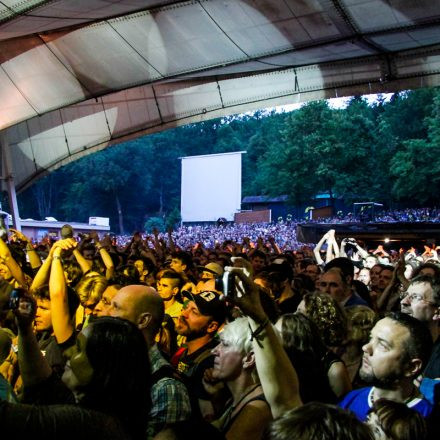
(143,306)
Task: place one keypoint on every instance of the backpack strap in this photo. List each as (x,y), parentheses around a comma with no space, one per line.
(176,356)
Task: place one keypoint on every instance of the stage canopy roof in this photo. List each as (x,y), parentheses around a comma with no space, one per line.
(79,75)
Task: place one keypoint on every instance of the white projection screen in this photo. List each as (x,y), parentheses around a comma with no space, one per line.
(211,187)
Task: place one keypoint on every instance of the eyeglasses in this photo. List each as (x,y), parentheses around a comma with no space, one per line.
(416,297)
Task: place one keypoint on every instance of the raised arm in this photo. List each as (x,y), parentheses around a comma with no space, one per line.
(34,258)
(277,374)
(274,245)
(157,245)
(13,266)
(42,276)
(84,264)
(61,321)
(107,260)
(342,252)
(317,249)
(380,250)
(332,247)
(362,252)
(171,244)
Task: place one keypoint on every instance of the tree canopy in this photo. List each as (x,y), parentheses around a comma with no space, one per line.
(387,151)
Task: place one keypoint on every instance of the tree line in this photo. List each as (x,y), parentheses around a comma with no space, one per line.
(387,152)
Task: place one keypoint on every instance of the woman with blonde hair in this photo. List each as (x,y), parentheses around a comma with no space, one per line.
(89,289)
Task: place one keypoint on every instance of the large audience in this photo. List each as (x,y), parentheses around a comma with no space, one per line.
(370,214)
(284,230)
(227,331)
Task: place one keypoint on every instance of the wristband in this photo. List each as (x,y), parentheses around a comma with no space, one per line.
(257,333)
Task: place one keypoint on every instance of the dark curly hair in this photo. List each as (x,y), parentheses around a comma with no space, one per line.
(329,317)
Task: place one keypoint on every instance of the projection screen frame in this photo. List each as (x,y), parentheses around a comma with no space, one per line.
(207,195)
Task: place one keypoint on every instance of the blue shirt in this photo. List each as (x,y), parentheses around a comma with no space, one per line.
(355,300)
(360,402)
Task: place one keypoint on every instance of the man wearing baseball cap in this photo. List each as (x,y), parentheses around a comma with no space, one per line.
(201,317)
(208,275)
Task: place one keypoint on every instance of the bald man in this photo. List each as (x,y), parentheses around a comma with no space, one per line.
(143,306)
(140,305)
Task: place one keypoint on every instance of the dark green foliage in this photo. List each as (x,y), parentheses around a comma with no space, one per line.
(387,152)
(154,223)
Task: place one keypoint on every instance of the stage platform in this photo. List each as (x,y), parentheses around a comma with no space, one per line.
(374,233)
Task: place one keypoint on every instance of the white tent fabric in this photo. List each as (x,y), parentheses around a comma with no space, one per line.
(79,75)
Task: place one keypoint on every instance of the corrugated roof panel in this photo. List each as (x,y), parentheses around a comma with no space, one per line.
(183,99)
(427,63)
(13,105)
(375,15)
(22,155)
(331,75)
(38,75)
(414,10)
(86,124)
(109,63)
(136,109)
(253,30)
(258,87)
(172,43)
(10,8)
(326,53)
(55,15)
(233,69)
(191,60)
(408,40)
(47,139)
(93,9)
(372,15)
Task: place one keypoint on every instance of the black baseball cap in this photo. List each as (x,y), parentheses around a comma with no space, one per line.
(209,304)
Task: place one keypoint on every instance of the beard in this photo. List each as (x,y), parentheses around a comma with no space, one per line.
(388,383)
(184,329)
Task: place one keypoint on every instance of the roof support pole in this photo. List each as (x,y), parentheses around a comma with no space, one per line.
(9,178)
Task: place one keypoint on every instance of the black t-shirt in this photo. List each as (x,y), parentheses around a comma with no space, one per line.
(52,352)
(290,304)
(192,367)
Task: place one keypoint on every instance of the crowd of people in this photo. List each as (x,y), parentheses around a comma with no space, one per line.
(369,214)
(229,332)
(284,231)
